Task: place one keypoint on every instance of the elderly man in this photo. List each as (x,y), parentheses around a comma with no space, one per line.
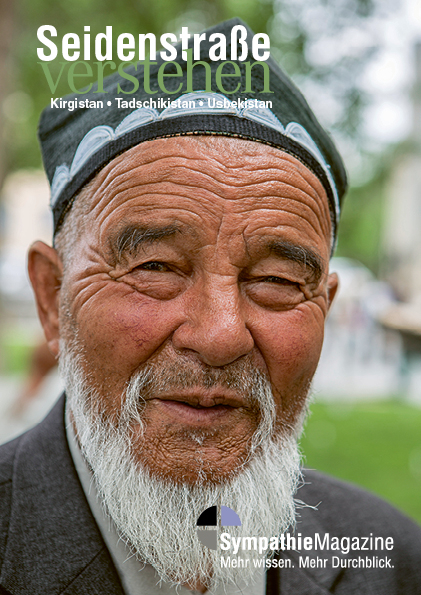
(185,297)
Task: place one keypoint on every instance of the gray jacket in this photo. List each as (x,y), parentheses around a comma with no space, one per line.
(50,544)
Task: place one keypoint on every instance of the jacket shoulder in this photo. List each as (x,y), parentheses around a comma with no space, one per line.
(50,540)
(379,530)
(7,457)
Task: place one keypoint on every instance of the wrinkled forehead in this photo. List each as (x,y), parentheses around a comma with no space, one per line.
(202,180)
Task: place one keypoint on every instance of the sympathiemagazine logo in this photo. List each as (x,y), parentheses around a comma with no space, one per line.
(215,516)
(318,550)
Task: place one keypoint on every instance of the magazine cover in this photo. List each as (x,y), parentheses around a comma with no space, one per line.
(210,313)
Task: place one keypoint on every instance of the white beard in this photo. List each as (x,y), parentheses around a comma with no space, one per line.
(156,517)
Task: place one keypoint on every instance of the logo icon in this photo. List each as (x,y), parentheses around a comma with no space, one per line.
(227,517)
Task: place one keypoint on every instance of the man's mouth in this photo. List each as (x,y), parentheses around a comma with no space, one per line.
(199,408)
(194,414)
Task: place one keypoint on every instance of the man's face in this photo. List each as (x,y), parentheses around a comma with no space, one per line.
(203,255)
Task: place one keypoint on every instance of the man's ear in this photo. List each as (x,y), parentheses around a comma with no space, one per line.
(45,271)
(332,288)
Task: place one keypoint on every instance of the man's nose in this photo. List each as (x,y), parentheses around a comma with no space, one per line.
(215,327)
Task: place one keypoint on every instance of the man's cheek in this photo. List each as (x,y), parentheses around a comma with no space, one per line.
(291,350)
(291,340)
(125,332)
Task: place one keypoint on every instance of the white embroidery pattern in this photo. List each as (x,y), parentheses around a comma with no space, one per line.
(203,103)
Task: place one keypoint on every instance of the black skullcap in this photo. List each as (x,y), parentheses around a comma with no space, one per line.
(77,144)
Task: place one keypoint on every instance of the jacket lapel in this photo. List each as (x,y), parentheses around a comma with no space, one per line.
(299,581)
(302,579)
(54,545)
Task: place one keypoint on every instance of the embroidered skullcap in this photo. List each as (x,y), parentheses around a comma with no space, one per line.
(77,144)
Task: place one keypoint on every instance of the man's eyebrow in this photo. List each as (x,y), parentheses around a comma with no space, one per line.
(128,240)
(304,256)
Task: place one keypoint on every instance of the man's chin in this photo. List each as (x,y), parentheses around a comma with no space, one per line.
(193,457)
(202,472)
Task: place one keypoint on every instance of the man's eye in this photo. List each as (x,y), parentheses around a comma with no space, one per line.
(154,265)
(278,280)
(276,293)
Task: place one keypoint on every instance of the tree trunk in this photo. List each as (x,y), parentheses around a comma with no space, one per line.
(6,35)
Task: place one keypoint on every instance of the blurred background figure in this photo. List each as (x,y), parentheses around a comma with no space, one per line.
(402,245)
(361,359)
(359,64)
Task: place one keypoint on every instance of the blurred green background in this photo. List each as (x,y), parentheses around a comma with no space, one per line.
(375,445)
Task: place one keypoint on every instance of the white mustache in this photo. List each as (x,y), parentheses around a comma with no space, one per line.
(166,375)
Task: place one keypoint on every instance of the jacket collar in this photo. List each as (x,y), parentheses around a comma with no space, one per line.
(53,543)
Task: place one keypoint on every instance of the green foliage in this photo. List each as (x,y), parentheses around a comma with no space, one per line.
(286,22)
(135,16)
(15,349)
(376,445)
(361,223)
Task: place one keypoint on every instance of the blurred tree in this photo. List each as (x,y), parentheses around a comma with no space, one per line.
(306,39)
(6,31)
(362,220)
